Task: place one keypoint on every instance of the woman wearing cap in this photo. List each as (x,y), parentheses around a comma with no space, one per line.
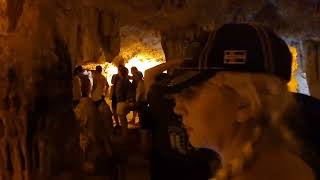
(237,103)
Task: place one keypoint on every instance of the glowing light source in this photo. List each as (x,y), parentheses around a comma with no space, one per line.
(293,84)
(142,62)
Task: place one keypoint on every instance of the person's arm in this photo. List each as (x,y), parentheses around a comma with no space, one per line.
(106,88)
(94,83)
(140,92)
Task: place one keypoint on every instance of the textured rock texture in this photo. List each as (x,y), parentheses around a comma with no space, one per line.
(312,66)
(41,40)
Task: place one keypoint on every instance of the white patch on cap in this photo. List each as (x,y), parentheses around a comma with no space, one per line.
(235,57)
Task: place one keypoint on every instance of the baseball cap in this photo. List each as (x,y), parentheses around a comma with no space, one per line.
(237,48)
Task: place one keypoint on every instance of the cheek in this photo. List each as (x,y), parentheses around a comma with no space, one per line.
(210,118)
(197,119)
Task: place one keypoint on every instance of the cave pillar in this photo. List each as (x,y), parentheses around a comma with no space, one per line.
(38,133)
(172,44)
(312,66)
(109,33)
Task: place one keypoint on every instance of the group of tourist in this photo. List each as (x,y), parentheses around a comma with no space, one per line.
(95,116)
(126,92)
(126,95)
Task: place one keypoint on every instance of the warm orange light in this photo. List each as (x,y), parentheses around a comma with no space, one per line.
(141,61)
(293,84)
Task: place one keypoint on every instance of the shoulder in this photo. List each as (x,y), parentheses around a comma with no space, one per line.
(102,77)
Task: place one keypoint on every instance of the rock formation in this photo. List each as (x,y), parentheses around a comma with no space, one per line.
(41,40)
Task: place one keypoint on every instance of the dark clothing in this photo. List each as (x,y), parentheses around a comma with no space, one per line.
(306,127)
(144,115)
(114,81)
(114,102)
(123,90)
(136,78)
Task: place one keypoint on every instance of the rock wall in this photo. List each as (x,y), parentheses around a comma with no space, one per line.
(42,40)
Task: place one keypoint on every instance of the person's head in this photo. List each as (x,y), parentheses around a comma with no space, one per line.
(138,76)
(114,79)
(121,66)
(123,72)
(232,106)
(235,94)
(99,69)
(78,70)
(134,70)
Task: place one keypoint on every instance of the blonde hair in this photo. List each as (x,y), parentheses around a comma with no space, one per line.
(269,101)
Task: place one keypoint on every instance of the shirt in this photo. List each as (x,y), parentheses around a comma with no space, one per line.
(136,78)
(100,84)
(140,92)
(123,90)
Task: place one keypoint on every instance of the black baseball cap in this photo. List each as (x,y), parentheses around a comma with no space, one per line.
(236,48)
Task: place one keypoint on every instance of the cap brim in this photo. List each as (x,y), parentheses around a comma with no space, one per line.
(188,78)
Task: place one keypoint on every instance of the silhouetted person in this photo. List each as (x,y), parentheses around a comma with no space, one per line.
(100,85)
(94,131)
(123,91)
(76,85)
(136,77)
(113,96)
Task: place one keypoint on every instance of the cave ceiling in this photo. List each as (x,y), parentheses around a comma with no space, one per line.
(87,26)
(289,16)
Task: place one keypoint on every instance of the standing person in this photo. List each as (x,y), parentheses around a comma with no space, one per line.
(124,97)
(100,85)
(136,74)
(93,138)
(143,114)
(140,100)
(113,96)
(136,77)
(76,85)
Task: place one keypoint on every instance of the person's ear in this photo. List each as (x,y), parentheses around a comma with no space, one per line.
(244,107)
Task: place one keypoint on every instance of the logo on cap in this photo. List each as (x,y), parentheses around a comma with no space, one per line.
(235,57)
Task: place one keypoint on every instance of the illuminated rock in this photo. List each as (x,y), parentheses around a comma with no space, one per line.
(42,40)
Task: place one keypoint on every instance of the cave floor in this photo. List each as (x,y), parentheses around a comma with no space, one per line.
(137,167)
